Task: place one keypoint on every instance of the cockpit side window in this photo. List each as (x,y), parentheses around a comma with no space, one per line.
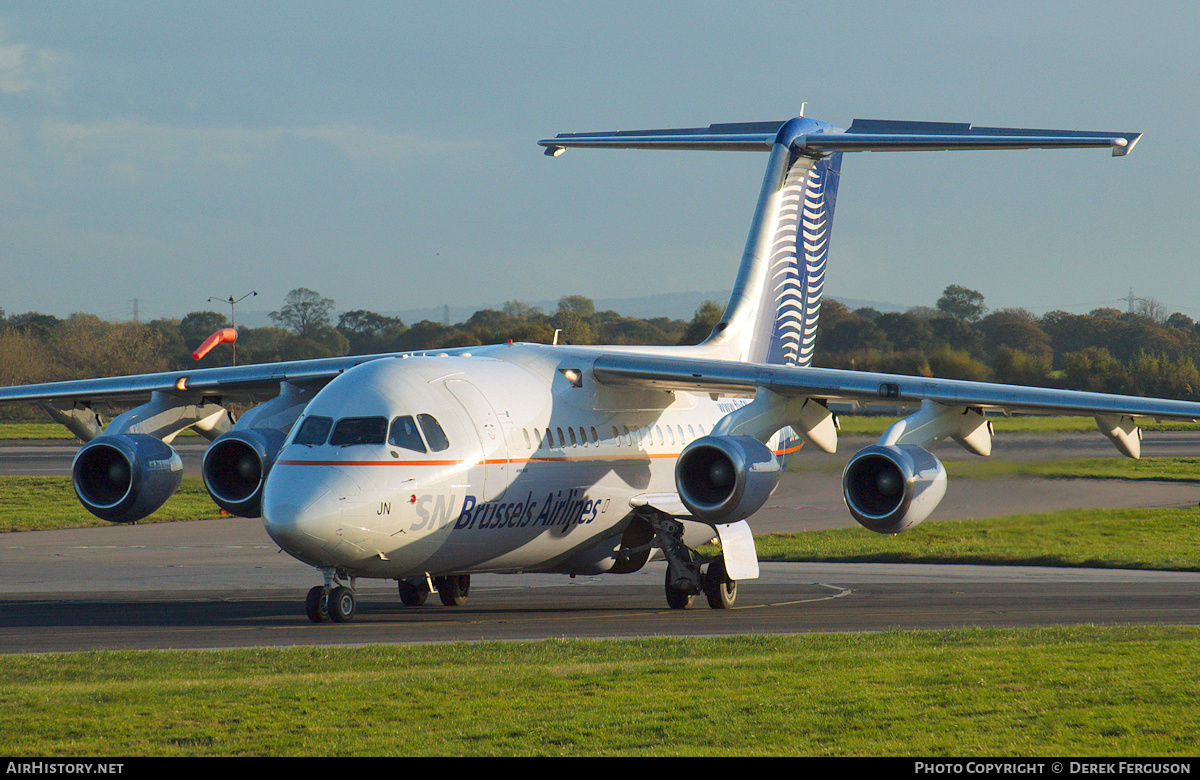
(433,433)
(359,430)
(404,434)
(313,431)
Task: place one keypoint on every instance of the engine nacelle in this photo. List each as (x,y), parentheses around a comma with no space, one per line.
(724,479)
(125,477)
(891,488)
(235,468)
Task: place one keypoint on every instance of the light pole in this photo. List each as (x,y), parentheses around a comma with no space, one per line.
(233,315)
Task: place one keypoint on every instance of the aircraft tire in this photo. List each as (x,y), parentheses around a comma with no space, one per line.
(316,604)
(720,591)
(413,593)
(676,598)
(342,604)
(453,590)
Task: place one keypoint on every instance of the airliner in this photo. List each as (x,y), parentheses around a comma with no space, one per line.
(428,467)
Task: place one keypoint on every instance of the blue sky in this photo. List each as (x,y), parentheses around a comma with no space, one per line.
(383,153)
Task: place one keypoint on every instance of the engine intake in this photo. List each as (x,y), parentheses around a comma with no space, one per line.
(892,488)
(236,467)
(724,479)
(125,477)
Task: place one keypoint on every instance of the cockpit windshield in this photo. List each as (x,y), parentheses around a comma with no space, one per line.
(313,431)
(433,432)
(359,430)
(405,432)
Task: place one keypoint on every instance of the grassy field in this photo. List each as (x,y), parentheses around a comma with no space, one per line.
(1079,691)
(1156,539)
(1071,691)
(58,507)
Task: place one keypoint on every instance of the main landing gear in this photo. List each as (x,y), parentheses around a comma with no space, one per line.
(718,589)
(452,590)
(686,574)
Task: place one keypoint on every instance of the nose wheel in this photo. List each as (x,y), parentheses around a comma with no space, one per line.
(331,602)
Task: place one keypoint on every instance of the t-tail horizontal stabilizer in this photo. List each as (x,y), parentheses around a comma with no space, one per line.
(807,136)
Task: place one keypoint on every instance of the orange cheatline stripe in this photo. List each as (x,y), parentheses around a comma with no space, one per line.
(369,462)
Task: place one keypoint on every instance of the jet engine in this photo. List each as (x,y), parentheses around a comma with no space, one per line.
(891,488)
(724,479)
(236,466)
(125,477)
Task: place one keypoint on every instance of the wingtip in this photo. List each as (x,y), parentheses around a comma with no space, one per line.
(1124,145)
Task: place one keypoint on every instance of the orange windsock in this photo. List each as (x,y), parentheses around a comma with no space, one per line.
(223,336)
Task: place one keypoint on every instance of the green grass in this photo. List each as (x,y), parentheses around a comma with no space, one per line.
(44,503)
(1161,539)
(1161,469)
(34,430)
(1080,691)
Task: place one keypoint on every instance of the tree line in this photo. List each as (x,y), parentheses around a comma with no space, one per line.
(1140,352)
(1144,352)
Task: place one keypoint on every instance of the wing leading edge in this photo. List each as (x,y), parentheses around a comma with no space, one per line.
(249,382)
(827,384)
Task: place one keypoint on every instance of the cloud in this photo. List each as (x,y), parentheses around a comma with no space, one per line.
(29,71)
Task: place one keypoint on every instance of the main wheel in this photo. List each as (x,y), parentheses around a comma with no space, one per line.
(316,604)
(720,591)
(413,592)
(453,590)
(341,604)
(676,598)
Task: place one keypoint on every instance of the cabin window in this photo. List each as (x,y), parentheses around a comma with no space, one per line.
(313,431)
(562,440)
(359,430)
(574,441)
(433,433)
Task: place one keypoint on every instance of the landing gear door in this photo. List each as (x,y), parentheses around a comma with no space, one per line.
(493,466)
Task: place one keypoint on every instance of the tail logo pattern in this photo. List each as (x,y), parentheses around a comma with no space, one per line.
(799,253)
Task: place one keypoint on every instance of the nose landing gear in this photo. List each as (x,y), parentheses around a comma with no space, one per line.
(331,602)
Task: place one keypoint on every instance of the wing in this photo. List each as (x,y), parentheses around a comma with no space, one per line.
(191,396)
(1115,414)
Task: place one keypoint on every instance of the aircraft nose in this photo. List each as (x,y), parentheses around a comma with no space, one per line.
(302,509)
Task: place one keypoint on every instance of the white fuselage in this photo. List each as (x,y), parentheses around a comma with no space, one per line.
(536,471)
